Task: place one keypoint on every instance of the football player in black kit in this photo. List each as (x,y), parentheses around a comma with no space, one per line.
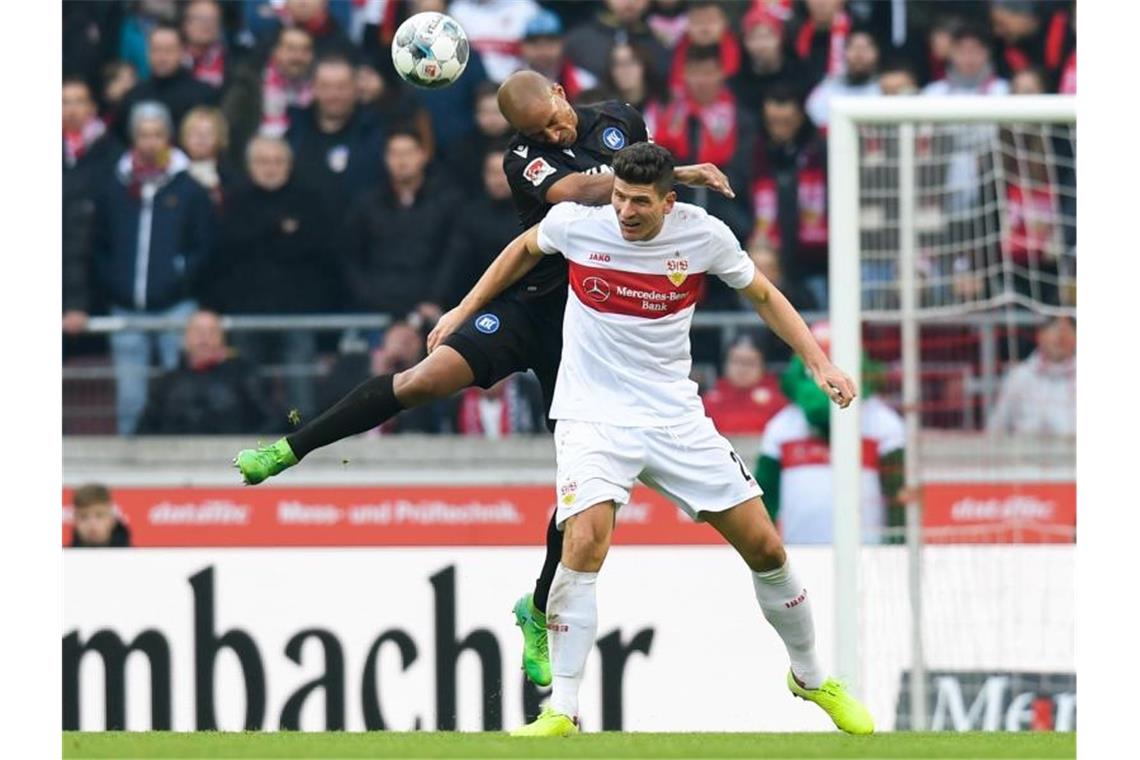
(560,153)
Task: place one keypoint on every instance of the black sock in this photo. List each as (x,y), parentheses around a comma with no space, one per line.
(553,557)
(369,404)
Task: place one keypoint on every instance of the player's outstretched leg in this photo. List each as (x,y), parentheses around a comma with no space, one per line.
(572,617)
(372,403)
(530,612)
(785,604)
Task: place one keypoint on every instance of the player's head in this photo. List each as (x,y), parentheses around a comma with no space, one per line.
(538,108)
(643,189)
(94,515)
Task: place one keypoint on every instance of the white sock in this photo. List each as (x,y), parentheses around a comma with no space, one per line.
(785,605)
(572,625)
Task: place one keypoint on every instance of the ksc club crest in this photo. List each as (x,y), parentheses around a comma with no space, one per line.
(614,138)
(677,269)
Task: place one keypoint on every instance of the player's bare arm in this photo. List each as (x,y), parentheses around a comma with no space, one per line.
(519,257)
(774,308)
(595,189)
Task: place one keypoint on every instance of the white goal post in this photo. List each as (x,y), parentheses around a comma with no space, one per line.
(846,317)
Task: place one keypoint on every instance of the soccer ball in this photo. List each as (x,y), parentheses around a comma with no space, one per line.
(430,50)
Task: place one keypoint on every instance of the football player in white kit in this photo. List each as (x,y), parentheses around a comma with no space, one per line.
(626,409)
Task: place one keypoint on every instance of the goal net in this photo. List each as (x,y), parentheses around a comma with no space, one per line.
(957,219)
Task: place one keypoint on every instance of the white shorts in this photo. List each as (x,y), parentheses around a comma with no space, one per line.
(690,463)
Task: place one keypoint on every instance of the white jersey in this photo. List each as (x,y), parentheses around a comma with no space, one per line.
(625,354)
(806,506)
(495,28)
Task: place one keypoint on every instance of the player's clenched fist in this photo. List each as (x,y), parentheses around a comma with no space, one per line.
(836,384)
(447,324)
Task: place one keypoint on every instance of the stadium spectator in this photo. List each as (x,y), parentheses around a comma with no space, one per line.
(1029,81)
(705,124)
(969,70)
(135,31)
(211,392)
(789,191)
(397,234)
(1030,34)
(88,155)
(745,397)
(204,137)
(170,83)
(484,226)
(858,79)
(94,521)
(392,103)
(495,28)
(88,39)
(401,348)
(819,39)
(794,466)
(492,129)
(898,78)
(329,38)
(259,99)
(631,77)
(589,44)
(767,260)
(336,144)
(206,55)
(543,51)
(148,269)
(1039,396)
(705,24)
(279,234)
(766,63)
(939,40)
(512,406)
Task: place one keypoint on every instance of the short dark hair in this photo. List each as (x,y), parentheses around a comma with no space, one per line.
(645,164)
(784,92)
(92,493)
(972,30)
(486,89)
(701,53)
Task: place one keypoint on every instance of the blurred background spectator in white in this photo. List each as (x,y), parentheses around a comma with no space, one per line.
(1039,395)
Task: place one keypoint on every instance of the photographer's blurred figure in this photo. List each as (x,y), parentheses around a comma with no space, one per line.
(95,522)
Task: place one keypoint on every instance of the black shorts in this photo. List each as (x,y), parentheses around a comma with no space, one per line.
(513,335)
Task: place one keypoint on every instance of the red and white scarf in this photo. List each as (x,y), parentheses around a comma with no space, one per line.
(209,65)
(277,94)
(840,28)
(75,144)
(718,129)
(512,411)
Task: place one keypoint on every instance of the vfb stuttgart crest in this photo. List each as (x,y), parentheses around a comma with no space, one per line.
(677,269)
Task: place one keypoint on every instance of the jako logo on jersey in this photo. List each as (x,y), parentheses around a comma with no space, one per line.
(486,323)
(613,138)
(599,257)
(520,151)
(536,171)
(596,288)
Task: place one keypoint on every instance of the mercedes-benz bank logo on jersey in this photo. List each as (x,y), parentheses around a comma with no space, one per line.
(596,288)
(486,323)
(613,138)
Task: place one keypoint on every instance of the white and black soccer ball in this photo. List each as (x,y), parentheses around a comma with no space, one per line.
(430,50)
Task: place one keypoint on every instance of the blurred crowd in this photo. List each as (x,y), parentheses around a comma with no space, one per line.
(262,157)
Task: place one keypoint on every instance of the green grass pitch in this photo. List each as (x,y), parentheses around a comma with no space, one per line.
(618,745)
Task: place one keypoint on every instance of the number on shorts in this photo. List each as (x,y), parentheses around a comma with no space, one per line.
(747,475)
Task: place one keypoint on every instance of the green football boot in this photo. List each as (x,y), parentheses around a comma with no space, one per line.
(536,654)
(264,462)
(847,713)
(549,723)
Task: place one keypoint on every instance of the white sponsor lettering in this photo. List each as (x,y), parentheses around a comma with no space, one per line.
(294,512)
(1009,508)
(215,512)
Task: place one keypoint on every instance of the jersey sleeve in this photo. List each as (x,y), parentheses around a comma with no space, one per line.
(885,427)
(554,229)
(531,172)
(730,263)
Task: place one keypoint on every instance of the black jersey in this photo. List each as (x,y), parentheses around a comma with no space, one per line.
(532,167)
